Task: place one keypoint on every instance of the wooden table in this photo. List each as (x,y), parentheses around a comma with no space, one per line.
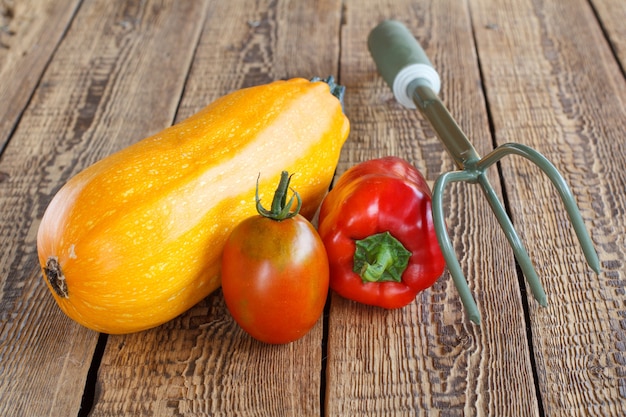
(82,79)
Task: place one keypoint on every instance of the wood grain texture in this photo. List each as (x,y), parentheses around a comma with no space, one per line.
(556,78)
(100,93)
(202,363)
(29,33)
(245,44)
(428,359)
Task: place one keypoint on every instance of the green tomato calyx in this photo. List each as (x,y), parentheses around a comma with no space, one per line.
(281,207)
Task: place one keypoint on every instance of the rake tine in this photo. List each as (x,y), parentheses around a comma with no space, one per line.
(516,244)
(561,186)
(446,245)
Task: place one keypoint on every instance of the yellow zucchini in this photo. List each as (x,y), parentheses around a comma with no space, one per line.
(135,239)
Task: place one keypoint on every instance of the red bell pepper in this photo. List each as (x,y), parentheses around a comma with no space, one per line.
(376,224)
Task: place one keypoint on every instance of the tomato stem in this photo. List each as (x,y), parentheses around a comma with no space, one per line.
(380,257)
(281,207)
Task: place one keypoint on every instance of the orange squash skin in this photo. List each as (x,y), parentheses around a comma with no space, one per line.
(135,239)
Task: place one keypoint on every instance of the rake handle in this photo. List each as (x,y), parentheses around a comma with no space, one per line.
(401,60)
(403,64)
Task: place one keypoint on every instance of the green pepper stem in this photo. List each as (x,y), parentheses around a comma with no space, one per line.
(374,272)
(380,257)
(281,208)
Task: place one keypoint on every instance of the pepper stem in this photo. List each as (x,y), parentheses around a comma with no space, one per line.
(380,258)
(281,207)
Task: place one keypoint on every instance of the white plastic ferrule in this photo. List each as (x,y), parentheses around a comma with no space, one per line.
(409,74)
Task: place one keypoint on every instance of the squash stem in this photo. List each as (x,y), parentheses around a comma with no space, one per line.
(281,207)
(335,89)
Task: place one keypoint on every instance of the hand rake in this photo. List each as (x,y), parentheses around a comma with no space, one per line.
(415,83)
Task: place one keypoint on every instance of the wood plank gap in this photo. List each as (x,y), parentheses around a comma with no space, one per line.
(607,37)
(5,144)
(507,206)
(91,381)
(177,117)
(342,23)
(529,335)
(326,314)
(326,323)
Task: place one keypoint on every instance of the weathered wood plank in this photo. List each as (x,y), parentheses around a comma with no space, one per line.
(428,359)
(202,363)
(29,33)
(117,76)
(553,83)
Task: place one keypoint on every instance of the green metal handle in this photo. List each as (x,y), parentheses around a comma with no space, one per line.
(401,60)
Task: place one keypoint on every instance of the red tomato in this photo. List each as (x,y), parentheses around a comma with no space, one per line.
(275,277)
